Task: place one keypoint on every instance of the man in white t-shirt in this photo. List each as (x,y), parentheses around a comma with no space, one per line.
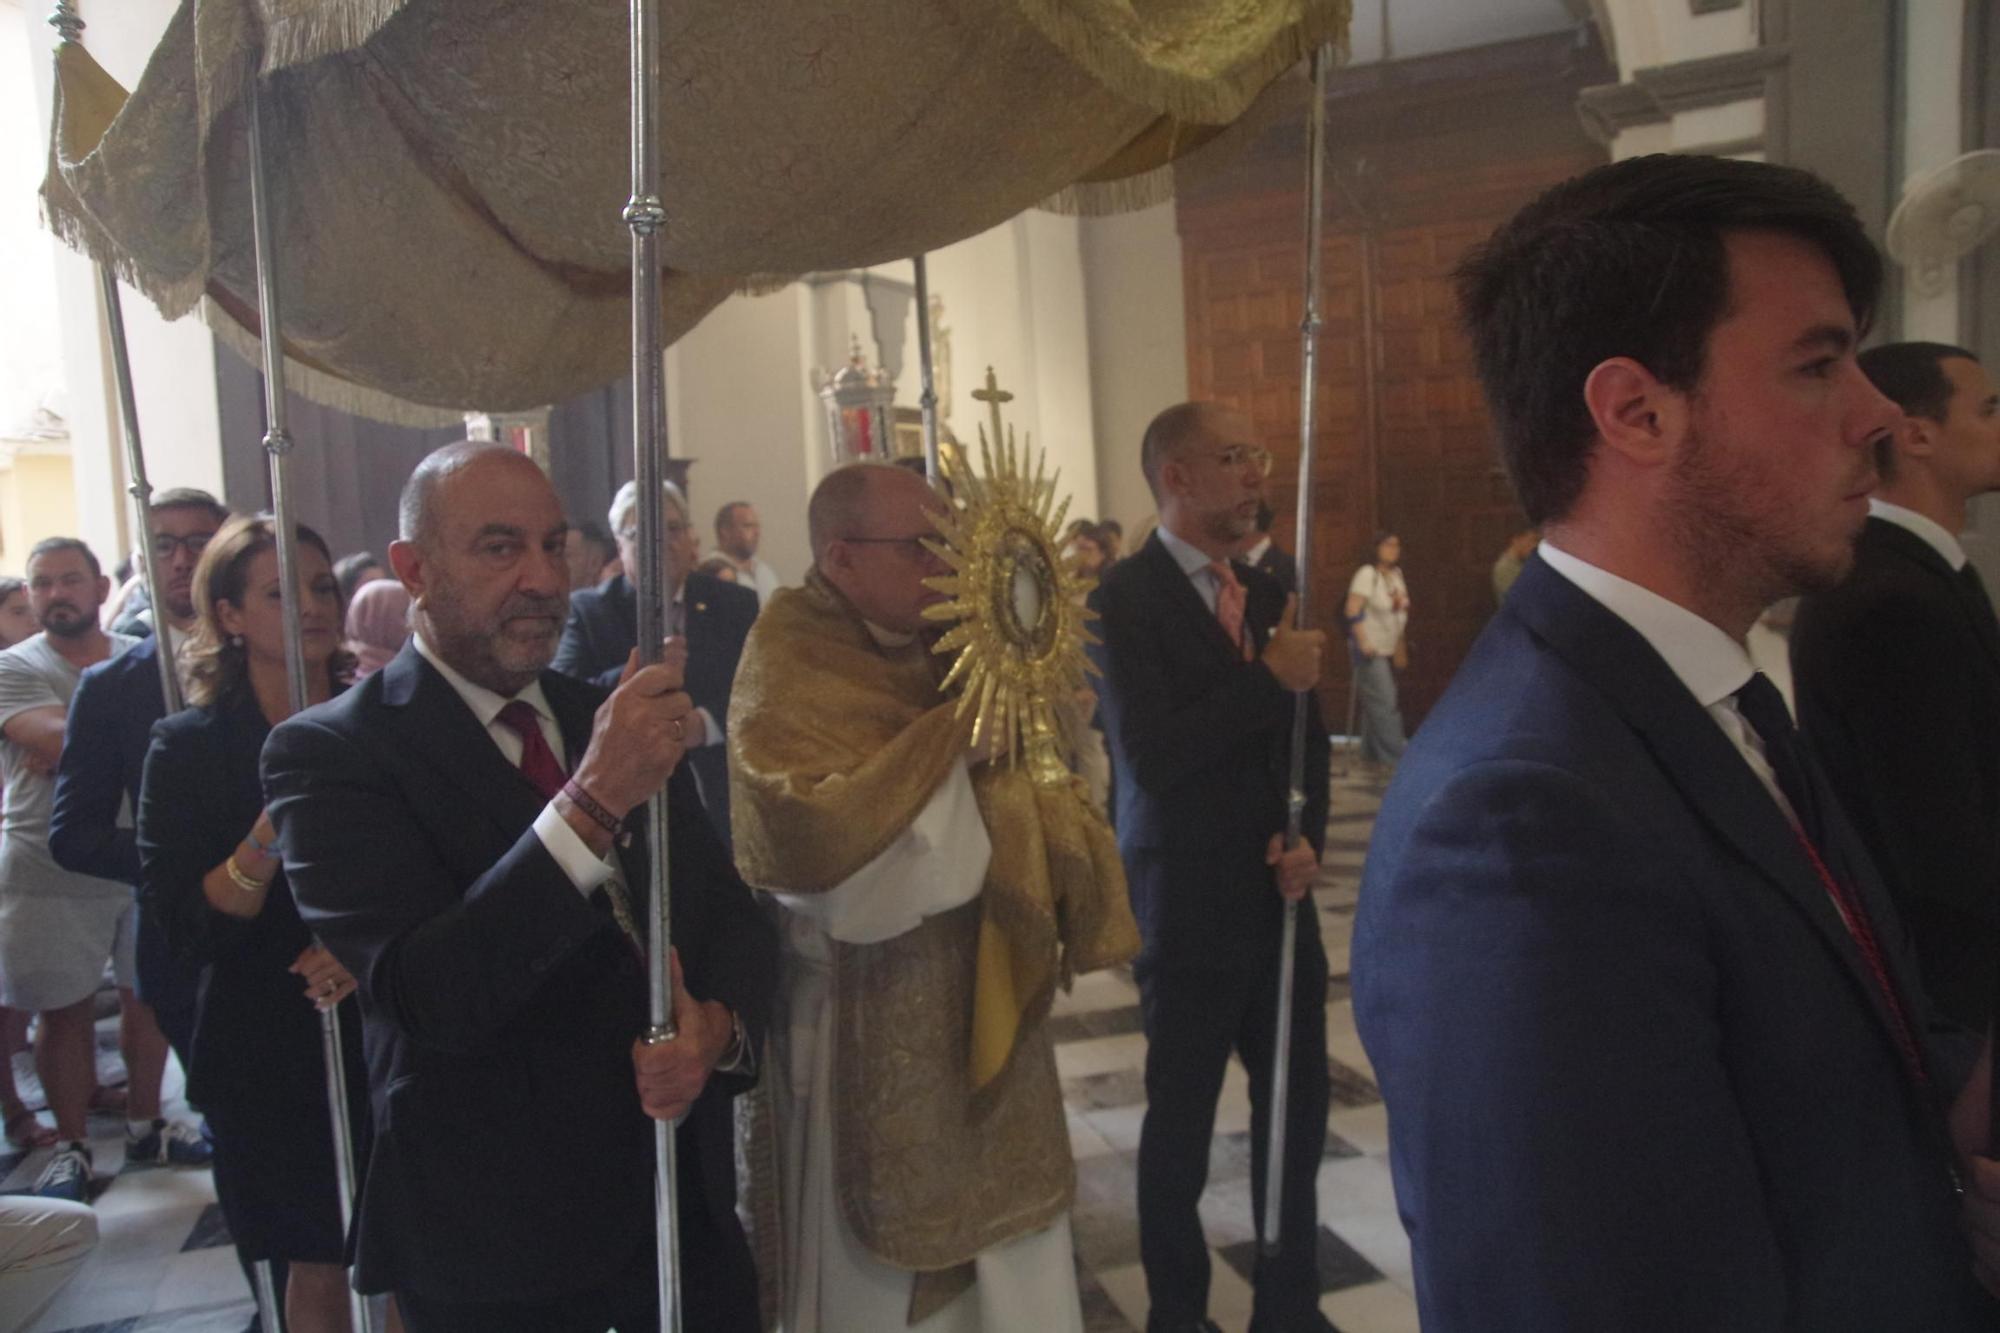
(737,532)
(57,927)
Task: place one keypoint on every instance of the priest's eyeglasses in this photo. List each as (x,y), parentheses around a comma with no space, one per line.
(912,546)
(1244,455)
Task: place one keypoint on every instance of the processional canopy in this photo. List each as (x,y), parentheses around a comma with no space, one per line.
(446,174)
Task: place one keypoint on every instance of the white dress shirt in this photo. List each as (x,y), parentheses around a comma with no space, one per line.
(1943,542)
(584,867)
(1707,661)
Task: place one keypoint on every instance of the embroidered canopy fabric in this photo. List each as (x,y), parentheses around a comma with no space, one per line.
(447,174)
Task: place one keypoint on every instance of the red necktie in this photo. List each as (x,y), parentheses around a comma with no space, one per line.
(538,762)
(1764,709)
(539,766)
(1229,602)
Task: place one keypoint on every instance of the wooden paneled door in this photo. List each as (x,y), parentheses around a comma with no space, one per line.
(1403,440)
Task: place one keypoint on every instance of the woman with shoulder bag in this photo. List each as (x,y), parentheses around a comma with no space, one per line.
(1378,616)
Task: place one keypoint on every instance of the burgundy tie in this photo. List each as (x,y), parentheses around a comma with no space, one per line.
(538,762)
(539,766)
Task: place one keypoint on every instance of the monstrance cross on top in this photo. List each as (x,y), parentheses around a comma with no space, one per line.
(993,395)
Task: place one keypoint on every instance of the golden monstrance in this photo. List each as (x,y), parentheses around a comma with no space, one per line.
(1016,599)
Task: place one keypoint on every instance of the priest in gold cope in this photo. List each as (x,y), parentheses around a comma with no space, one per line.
(929,909)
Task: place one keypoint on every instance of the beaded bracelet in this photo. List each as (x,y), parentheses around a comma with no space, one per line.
(591,806)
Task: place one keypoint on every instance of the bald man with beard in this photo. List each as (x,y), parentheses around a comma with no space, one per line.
(459,831)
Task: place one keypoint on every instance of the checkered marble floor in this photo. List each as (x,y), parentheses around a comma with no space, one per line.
(165,1264)
(163,1261)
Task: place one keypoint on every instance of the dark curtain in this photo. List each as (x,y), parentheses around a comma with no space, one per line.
(347,471)
(590,449)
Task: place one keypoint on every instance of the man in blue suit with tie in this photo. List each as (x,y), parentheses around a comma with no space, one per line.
(1654,1052)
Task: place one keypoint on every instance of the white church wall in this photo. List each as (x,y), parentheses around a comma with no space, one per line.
(739,384)
(734,404)
(1660,32)
(1649,115)
(1014,300)
(1732,122)
(30,354)
(1050,255)
(1932,134)
(1138,344)
(173,364)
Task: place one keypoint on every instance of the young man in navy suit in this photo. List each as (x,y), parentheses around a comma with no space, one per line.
(1201,670)
(1654,1053)
(459,832)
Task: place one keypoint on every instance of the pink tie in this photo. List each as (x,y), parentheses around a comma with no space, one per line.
(1229,600)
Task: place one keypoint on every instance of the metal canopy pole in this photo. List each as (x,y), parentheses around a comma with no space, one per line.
(277,449)
(140,489)
(645,215)
(1295,806)
(928,400)
(69,27)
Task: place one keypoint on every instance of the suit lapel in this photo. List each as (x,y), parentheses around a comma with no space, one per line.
(1179,590)
(1896,542)
(438,727)
(1697,758)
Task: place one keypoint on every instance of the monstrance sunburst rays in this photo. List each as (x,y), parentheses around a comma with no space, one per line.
(1015,597)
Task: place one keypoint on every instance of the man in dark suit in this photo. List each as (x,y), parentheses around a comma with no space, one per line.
(1266,555)
(1201,664)
(1653,1055)
(104,752)
(1898,674)
(457,832)
(712,615)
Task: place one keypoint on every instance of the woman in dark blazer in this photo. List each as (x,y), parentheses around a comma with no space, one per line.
(210,867)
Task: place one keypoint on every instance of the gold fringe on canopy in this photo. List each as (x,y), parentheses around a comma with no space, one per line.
(447,174)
